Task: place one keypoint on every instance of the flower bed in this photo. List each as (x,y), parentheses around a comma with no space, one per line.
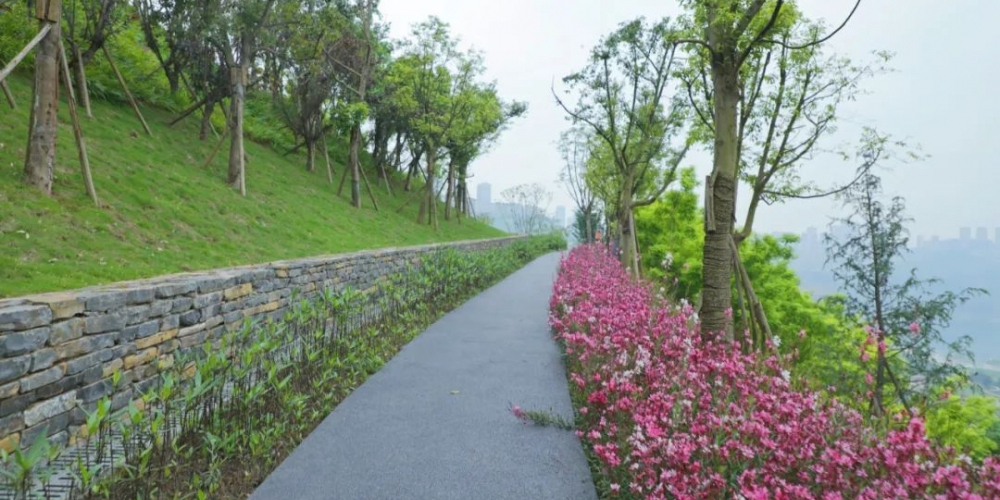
(669,413)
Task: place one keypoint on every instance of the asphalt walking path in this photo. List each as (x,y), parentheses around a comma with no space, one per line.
(435,422)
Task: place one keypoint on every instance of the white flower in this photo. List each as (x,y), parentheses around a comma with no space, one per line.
(785,374)
(777,341)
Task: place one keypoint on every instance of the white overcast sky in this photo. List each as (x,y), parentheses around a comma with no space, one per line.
(941,96)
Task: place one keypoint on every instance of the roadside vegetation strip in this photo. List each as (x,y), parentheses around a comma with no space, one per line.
(218,423)
(668,412)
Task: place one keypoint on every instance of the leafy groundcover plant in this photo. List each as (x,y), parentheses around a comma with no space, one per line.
(670,413)
(221,418)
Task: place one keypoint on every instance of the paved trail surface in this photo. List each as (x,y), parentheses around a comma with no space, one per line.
(434,423)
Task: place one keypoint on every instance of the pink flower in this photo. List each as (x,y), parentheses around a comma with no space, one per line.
(675,413)
(914,328)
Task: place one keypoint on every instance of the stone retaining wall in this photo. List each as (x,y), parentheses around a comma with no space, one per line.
(58,351)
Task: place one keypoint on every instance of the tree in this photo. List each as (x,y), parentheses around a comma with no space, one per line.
(312,45)
(622,99)
(904,320)
(486,117)
(574,144)
(732,30)
(526,207)
(434,84)
(361,70)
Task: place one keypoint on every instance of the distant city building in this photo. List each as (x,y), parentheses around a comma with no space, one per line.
(996,236)
(965,233)
(560,216)
(982,234)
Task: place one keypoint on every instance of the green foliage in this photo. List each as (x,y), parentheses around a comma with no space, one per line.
(166,212)
(671,234)
(968,424)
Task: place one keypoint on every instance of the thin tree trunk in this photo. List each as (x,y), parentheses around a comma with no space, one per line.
(39,165)
(717,255)
(426,215)
(355,165)
(128,94)
(81,80)
(81,146)
(237,166)
(450,190)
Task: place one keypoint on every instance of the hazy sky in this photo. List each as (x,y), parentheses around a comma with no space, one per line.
(941,96)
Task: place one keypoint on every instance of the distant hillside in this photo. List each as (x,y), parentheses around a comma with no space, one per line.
(958,264)
(167,212)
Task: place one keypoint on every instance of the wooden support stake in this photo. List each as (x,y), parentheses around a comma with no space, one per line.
(8,94)
(81,76)
(187,112)
(329,166)
(81,146)
(215,150)
(756,309)
(369,186)
(24,52)
(343,177)
(128,94)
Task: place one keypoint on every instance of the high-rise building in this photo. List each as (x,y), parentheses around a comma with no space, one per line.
(982,234)
(965,233)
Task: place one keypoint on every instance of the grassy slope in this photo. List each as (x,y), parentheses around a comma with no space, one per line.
(167,213)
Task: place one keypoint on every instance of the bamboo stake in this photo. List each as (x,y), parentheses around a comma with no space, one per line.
(81,75)
(24,52)
(81,146)
(128,94)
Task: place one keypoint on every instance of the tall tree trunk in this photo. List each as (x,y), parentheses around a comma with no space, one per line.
(310,155)
(429,198)
(717,254)
(626,240)
(39,165)
(355,165)
(237,166)
(450,192)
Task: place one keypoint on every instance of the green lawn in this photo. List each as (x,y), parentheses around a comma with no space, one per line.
(166,213)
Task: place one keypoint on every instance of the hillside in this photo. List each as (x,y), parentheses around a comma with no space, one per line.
(165,212)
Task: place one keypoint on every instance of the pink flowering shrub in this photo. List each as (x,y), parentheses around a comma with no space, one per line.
(671,414)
